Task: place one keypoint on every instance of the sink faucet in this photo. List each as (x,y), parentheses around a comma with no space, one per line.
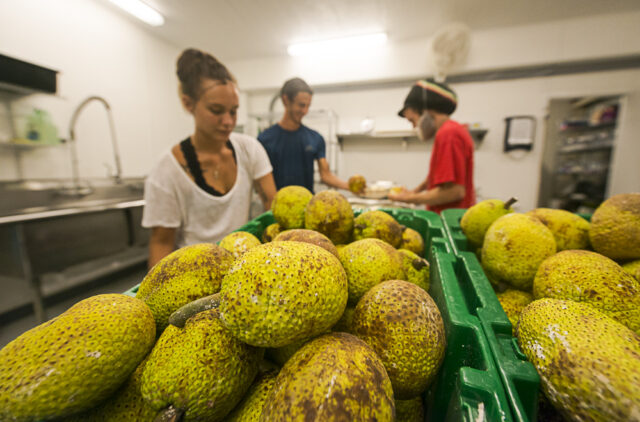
(72,139)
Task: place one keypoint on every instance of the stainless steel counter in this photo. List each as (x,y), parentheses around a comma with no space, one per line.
(53,237)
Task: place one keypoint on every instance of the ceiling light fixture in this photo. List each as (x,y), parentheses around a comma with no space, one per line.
(140,10)
(337,45)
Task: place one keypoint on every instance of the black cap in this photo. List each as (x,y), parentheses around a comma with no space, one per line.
(430,95)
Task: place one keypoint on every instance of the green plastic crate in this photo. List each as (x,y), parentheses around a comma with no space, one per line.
(519,377)
(468,385)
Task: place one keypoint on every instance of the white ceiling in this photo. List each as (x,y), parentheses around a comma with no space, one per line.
(246,29)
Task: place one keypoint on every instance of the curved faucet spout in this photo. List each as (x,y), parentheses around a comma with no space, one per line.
(72,138)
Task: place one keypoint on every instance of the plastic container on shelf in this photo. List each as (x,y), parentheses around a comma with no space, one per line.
(468,386)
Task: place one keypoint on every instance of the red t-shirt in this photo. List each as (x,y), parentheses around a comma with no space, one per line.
(452,161)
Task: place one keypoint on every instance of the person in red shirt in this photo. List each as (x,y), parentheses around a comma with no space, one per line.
(449,183)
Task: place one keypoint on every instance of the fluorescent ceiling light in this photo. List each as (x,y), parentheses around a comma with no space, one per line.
(338,45)
(141,11)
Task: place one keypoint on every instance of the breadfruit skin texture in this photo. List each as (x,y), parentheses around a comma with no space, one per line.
(589,277)
(615,227)
(282,292)
(588,363)
(514,247)
(335,377)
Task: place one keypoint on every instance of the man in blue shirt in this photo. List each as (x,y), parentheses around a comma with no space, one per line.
(292,147)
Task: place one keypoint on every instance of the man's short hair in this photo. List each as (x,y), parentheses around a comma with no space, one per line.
(293,86)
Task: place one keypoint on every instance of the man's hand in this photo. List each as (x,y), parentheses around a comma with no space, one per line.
(403,195)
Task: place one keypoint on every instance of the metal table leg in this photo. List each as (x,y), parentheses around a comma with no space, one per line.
(34,282)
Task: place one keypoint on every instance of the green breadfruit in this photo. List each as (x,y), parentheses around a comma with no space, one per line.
(411,410)
(282,292)
(74,361)
(416,269)
(289,205)
(589,277)
(368,262)
(633,268)
(514,247)
(378,225)
(513,302)
(201,370)
(478,218)
(588,363)
(183,276)
(250,408)
(335,377)
(126,404)
(344,323)
(570,231)
(412,240)
(239,242)
(330,213)
(615,227)
(309,236)
(270,232)
(403,325)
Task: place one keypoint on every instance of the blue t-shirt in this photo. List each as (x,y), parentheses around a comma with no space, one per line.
(292,154)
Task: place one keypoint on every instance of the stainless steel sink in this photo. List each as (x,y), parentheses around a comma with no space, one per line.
(21,199)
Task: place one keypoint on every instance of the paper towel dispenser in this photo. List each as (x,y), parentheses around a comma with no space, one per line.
(23,77)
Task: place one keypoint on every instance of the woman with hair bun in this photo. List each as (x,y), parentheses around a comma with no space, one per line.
(200,190)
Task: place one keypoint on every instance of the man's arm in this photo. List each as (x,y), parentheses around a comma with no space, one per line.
(161,243)
(444,193)
(422,186)
(328,177)
(266,188)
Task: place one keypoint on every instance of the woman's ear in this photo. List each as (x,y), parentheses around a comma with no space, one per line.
(187,103)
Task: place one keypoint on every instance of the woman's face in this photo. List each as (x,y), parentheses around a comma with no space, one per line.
(215,112)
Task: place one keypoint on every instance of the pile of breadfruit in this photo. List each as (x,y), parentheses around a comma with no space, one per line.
(571,289)
(326,318)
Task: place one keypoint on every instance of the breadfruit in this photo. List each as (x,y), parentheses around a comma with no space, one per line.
(250,408)
(476,220)
(403,325)
(368,262)
(126,404)
(416,269)
(330,213)
(288,206)
(282,292)
(592,278)
(335,377)
(378,225)
(633,268)
(357,183)
(308,236)
(588,363)
(344,323)
(179,278)
(270,232)
(412,240)
(201,370)
(411,410)
(513,302)
(570,231)
(615,227)
(76,360)
(239,242)
(514,247)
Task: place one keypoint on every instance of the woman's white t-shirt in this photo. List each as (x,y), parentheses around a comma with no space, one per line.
(173,200)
